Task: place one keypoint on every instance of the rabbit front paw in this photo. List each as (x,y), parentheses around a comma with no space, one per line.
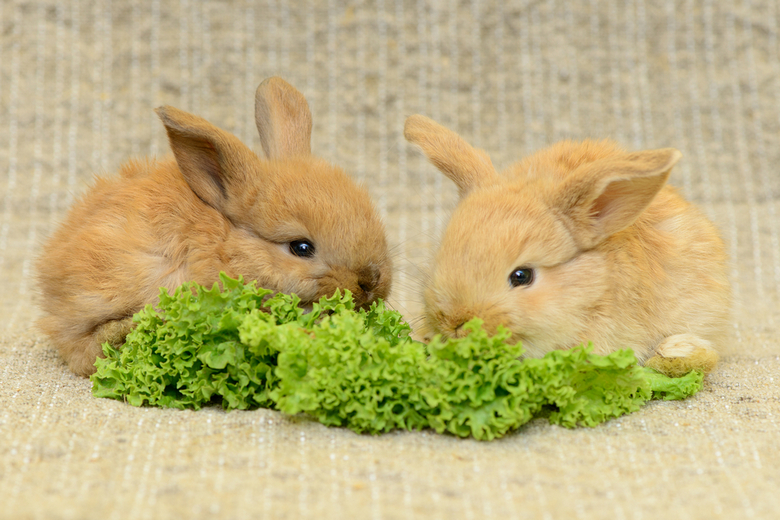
(679,354)
(114,332)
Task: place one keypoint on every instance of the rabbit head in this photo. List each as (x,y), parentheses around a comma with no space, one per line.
(299,224)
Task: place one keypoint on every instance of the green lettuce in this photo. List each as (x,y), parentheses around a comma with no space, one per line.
(244,348)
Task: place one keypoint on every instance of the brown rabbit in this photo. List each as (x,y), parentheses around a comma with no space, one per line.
(579,242)
(293,222)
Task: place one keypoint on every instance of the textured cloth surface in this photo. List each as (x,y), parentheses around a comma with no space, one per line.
(78,81)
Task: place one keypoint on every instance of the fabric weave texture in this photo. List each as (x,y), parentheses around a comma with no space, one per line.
(78,83)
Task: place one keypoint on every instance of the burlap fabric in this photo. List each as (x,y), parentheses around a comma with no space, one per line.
(78,81)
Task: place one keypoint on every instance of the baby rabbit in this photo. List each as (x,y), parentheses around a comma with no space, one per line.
(580,242)
(293,222)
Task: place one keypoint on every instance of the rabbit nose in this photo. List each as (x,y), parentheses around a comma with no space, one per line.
(367,282)
(459,331)
(366,287)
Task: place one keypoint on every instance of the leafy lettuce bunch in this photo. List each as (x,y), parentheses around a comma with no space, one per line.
(244,348)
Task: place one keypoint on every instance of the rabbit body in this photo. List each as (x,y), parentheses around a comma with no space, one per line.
(580,242)
(215,207)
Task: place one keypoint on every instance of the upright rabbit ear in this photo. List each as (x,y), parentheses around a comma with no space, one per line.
(212,161)
(465,165)
(283,119)
(605,196)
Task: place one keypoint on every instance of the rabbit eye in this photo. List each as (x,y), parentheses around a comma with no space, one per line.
(302,248)
(521,276)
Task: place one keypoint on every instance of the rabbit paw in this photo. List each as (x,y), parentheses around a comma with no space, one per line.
(81,357)
(114,332)
(679,354)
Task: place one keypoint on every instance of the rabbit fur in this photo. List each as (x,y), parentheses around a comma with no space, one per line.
(215,206)
(618,257)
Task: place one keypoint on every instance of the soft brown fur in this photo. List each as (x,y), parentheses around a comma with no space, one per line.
(620,258)
(215,207)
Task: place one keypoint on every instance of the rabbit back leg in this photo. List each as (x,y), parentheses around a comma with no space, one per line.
(679,354)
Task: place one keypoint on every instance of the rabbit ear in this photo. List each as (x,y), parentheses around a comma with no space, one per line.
(283,119)
(210,159)
(608,195)
(465,165)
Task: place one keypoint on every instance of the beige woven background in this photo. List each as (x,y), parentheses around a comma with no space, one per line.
(78,81)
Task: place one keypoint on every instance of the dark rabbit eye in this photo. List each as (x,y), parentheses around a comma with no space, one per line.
(521,276)
(302,248)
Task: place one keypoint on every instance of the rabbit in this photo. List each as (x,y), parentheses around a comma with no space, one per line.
(291,221)
(580,242)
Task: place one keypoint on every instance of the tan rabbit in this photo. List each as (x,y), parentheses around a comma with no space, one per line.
(579,242)
(293,222)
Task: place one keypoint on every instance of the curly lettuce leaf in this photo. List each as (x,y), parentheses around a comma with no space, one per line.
(188,352)
(244,348)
